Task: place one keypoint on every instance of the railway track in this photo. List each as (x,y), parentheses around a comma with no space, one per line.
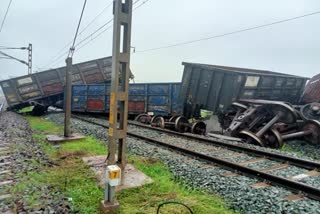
(239,159)
(5,173)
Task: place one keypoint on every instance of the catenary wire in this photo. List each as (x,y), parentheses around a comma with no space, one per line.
(71,52)
(5,16)
(229,33)
(55,61)
(84,29)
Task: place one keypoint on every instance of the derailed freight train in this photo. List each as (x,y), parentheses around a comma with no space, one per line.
(209,87)
(44,89)
(152,98)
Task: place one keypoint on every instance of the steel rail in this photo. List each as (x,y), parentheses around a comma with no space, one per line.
(293,161)
(296,187)
(311,165)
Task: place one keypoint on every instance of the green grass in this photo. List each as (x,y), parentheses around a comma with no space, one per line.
(287,148)
(45,127)
(74,179)
(146,199)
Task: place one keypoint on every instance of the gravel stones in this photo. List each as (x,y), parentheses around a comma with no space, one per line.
(304,148)
(25,156)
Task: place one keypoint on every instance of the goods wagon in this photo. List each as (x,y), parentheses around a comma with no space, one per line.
(46,88)
(214,88)
(153,98)
(312,91)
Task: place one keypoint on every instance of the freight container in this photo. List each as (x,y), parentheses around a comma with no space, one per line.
(153,98)
(214,88)
(46,88)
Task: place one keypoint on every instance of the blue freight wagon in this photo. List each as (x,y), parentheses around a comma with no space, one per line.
(152,98)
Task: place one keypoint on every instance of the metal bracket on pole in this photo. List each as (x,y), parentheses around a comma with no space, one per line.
(119,87)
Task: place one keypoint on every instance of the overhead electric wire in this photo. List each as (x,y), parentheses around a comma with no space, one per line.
(83,40)
(111,25)
(71,52)
(229,33)
(145,1)
(85,28)
(11,57)
(95,18)
(12,48)
(5,15)
(58,55)
(54,62)
(86,38)
(94,38)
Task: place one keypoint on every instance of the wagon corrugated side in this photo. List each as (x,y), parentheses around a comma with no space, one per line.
(155,98)
(214,87)
(46,88)
(312,91)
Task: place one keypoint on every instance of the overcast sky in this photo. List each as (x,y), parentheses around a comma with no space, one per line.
(291,47)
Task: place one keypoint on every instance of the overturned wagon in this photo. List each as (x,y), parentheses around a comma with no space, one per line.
(214,87)
(46,88)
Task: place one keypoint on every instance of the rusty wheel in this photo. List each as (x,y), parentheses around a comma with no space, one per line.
(273,139)
(158,121)
(251,138)
(181,124)
(287,113)
(312,126)
(310,111)
(199,128)
(173,118)
(143,118)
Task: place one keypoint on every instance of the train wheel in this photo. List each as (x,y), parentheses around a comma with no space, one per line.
(251,138)
(181,124)
(143,118)
(158,121)
(199,128)
(173,119)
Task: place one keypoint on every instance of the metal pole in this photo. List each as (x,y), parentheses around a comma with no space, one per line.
(120,77)
(67,107)
(30,59)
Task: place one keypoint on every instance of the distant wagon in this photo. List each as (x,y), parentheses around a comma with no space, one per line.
(44,89)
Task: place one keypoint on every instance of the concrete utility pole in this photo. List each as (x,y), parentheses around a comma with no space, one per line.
(119,93)
(67,108)
(30,59)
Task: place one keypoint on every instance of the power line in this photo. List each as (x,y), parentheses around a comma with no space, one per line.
(140,4)
(12,57)
(5,16)
(12,48)
(228,34)
(84,29)
(96,17)
(111,25)
(76,34)
(54,62)
(94,38)
(83,40)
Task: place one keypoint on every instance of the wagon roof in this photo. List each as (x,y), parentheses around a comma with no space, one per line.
(240,70)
